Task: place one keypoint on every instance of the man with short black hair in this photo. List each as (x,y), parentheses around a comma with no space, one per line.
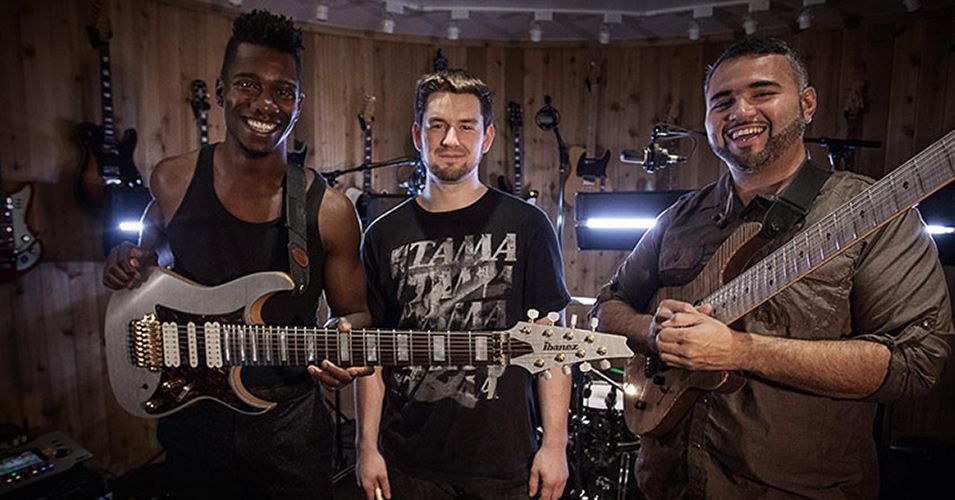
(872,325)
(220,211)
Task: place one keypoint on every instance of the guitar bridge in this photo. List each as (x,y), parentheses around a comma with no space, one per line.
(146,343)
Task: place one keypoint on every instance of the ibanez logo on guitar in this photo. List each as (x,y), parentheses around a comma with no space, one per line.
(658,395)
(171,342)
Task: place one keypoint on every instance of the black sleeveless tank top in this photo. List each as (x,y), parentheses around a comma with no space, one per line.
(211,246)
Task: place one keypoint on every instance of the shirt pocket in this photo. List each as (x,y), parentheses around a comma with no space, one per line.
(681,258)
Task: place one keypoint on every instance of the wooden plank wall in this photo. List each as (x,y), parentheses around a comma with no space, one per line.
(897,73)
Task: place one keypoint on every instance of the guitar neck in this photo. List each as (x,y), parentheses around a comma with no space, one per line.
(106,93)
(518,168)
(202,123)
(366,174)
(895,193)
(260,345)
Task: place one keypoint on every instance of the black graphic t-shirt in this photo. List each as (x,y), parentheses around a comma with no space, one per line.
(475,269)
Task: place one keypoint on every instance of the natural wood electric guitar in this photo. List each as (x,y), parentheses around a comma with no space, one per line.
(658,395)
(171,342)
(588,173)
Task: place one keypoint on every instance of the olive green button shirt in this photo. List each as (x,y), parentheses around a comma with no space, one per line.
(767,440)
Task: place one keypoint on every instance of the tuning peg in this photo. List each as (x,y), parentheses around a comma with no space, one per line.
(593,323)
(553,317)
(533,314)
(573,321)
(604,364)
(565,369)
(585,367)
(546,374)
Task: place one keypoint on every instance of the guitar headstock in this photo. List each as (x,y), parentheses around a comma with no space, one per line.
(367,115)
(515,115)
(100,30)
(199,97)
(594,78)
(537,347)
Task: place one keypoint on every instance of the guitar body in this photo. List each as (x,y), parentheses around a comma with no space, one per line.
(20,248)
(171,343)
(173,298)
(587,174)
(88,184)
(99,165)
(663,393)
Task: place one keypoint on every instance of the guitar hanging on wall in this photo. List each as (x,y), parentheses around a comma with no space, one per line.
(659,395)
(588,173)
(366,119)
(515,121)
(106,160)
(19,248)
(199,100)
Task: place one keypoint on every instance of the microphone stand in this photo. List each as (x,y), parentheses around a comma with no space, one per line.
(562,176)
(332,177)
(839,149)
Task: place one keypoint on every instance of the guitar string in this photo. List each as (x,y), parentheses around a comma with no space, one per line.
(839,224)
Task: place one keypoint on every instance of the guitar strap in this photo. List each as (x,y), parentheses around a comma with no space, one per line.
(792,205)
(295,222)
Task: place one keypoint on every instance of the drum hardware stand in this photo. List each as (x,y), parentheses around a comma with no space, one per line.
(548,118)
(332,177)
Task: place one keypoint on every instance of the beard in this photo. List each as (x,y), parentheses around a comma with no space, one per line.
(753,162)
(451,173)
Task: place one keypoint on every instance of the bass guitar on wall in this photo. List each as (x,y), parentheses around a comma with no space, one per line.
(515,121)
(106,160)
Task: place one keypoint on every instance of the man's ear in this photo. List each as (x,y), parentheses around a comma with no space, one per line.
(808,98)
(416,136)
(488,139)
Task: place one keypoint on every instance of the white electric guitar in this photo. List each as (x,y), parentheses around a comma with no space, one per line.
(171,342)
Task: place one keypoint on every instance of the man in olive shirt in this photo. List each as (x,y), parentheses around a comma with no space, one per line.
(871,326)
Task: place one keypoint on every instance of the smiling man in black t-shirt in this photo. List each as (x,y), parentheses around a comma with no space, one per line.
(461,257)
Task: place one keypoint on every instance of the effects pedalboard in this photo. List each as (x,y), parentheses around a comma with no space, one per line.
(46,456)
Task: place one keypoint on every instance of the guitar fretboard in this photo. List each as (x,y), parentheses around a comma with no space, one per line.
(366,174)
(110,144)
(202,121)
(518,172)
(895,193)
(219,345)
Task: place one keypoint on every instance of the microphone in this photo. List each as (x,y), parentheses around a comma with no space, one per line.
(652,157)
(548,117)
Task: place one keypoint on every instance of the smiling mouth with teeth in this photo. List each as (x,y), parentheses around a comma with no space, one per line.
(746,132)
(260,127)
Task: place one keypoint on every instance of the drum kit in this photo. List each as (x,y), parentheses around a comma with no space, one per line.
(603,449)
